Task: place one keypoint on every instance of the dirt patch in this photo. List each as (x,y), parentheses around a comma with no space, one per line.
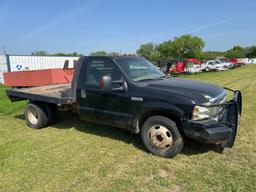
(163,173)
(176,188)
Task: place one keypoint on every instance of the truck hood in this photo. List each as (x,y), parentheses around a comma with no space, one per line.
(199,92)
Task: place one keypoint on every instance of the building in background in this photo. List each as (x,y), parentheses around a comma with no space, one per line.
(12,63)
(3,67)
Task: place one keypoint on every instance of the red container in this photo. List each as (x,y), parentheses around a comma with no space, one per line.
(38,77)
(193,60)
(179,67)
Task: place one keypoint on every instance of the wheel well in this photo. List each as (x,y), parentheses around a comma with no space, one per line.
(42,103)
(148,114)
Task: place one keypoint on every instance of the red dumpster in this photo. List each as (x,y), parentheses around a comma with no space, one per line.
(38,77)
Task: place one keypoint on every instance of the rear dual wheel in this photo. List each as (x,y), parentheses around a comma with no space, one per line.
(161,136)
(39,115)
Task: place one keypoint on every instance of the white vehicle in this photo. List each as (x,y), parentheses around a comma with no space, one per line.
(194,69)
(213,65)
(225,63)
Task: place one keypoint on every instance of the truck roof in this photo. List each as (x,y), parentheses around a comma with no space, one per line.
(113,57)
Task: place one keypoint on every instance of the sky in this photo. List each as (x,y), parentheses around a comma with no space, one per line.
(85,26)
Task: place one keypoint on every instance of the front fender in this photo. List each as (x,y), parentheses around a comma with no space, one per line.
(155,108)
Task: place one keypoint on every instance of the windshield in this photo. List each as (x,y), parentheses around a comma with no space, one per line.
(139,69)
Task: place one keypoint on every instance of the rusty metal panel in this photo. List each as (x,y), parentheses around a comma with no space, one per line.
(21,63)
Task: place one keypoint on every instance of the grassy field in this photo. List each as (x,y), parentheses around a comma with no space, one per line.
(77,156)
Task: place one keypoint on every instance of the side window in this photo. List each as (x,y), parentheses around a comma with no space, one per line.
(97,68)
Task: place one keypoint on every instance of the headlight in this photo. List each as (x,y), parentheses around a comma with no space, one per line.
(201,113)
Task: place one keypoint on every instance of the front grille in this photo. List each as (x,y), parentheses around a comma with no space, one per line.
(219,99)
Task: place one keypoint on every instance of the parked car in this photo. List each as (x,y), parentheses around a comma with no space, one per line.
(213,65)
(194,65)
(237,62)
(226,63)
(195,69)
(131,93)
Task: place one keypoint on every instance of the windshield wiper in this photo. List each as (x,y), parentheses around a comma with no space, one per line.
(149,79)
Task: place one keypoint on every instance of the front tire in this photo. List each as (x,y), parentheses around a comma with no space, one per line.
(161,136)
(36,115)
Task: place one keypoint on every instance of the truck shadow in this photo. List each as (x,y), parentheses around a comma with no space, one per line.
(69,120)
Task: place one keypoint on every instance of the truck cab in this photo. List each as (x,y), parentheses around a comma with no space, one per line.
(131,93)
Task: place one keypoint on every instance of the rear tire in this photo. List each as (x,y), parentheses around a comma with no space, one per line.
(161,136)
(36,115)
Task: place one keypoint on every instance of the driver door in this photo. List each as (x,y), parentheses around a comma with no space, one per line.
(97,106)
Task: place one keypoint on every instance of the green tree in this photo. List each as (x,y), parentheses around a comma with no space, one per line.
(166,50)
(146,50)
(236,52)
(60,54)
(40,53)
(75,54)
(113,54)
(252,52)
(99,53)
(44,53)
(187,46)
(156,56)
(211,55)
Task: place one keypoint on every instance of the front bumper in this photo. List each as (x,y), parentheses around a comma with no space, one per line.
(222,131)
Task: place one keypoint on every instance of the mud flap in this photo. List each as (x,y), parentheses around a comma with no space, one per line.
(233,116)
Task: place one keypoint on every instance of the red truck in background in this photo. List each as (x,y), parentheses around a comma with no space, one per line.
(179,67)
(237,61)
(183,67)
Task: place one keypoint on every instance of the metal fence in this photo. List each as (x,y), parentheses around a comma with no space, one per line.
(18,63)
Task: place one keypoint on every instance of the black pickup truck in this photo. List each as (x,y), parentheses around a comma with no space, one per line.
(131,93)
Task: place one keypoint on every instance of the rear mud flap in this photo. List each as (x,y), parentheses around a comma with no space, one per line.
(233,116)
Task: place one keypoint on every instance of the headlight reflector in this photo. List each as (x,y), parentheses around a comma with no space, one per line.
(202,113)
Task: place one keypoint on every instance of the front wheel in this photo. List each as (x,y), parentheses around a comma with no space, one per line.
(161,136)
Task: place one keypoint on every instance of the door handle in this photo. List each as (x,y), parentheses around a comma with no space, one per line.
(83,94)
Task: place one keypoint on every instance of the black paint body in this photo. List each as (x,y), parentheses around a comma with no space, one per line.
(171,97)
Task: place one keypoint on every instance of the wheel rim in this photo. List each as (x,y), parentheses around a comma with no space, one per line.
(32,115)
(160,137)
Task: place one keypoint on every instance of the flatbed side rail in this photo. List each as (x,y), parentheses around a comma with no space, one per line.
(18,96)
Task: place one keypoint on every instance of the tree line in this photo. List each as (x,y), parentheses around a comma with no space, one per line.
(45,53)
(188,46)
(182,47)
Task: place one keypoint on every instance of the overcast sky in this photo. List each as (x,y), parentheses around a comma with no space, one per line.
(120,25)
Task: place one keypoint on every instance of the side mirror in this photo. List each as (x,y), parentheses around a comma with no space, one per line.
(106,84)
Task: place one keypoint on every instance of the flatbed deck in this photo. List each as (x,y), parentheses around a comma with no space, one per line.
(57,94)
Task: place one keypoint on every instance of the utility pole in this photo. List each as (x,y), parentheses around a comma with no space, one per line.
(4,50)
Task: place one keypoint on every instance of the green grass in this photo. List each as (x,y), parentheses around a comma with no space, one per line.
(78,156)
